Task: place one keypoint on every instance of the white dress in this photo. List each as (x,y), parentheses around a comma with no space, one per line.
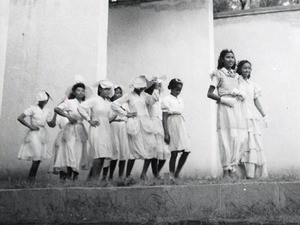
(58,153)
(34,146)
(179,138)
(100,136)
(140,129)
(74,138)
(155,113)
(119,138)
(231,121)
(253,157)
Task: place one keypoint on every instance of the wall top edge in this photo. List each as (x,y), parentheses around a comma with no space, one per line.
(252,12)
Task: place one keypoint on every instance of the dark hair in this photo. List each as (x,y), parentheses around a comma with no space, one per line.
(150,89)
(75,86)
(223,53)
(240,65)
(174,83)
(113,97)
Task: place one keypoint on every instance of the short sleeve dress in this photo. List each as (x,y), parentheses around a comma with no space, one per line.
(34,146)
(231,121)
(253,157)
(179,138)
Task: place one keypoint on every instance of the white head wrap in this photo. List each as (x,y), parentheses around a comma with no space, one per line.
(139,82)
(106,84)
(41,96)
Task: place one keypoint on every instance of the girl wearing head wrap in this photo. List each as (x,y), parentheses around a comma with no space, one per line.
(35,142)
(74,136)
(176,135)
(231,122)
(155,113)
(119,139)
(99,131)
(140,128)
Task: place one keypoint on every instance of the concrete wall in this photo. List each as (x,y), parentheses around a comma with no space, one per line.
(271,43)
(49,42)
(172,38)
(270,203)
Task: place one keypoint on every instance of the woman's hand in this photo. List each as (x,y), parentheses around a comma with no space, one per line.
(228,101)
(72,120)
(34,128)
(131,114)
(94,123)
(167,138)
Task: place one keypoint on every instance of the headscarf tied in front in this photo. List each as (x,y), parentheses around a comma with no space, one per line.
(106,84)
(41,96)
(139,82)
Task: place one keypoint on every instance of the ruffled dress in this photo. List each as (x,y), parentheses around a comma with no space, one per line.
(179,137)
(231,121)
(155,113)
(253,157)
(74,139)
(140,129)
(34,145)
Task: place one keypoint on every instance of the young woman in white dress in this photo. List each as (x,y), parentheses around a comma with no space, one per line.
(176,135)
(34,146)
(155,112)
(140,127)
(253,158)
(119,139)
(99,131)
(231,121)
(74,136)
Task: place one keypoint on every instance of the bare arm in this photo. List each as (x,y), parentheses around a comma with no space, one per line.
(52,123)
(60,112)
(22,120)
(165,126)
(259,107)
(211,95)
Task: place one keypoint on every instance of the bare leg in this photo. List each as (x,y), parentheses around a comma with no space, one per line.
(154,167)
(105,172)
(33,171)
(112,168)
(130,164)
(161,163)
(121,168)
(145,168)
(172,162)
(181,163)
(96,169)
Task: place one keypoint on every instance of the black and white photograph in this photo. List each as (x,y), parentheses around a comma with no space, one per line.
(154,112)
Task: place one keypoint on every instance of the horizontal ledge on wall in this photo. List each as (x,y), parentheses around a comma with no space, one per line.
(257,11)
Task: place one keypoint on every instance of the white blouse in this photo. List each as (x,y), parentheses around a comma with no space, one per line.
(172,105)
(70,106)
(38,117)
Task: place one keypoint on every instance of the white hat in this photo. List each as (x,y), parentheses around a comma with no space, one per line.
(106,84)
(139,82)
(42,96)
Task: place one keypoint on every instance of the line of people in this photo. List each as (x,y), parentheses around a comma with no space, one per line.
(137,125)
(142,125)
(238,128)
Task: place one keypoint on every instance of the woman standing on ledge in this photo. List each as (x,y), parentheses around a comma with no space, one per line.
(253,158)
(231,122)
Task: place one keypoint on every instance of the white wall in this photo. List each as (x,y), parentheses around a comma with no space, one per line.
(172,38)
(271,43)
(49,42)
